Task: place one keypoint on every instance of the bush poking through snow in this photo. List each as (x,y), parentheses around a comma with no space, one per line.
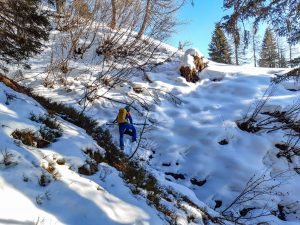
(7,158)
(26,136)
(48,120)
(223,142)
(44,180)
(42,197)
(49,135)
(290,148)
(89,168)
(61,161)
(199,183)
(294,74)
(25,178)
(9,98)
(94,154)
(176,176)
(259,188)
(51,169)
(30,138)
(192,63)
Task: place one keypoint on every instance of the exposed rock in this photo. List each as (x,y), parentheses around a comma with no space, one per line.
(176,175)
(137,88)
(218,204)
(198,182)
(223,142)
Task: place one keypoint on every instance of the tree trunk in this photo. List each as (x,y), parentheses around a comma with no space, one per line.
(145,20)
(254,49)
(278,52)
(236,49)
(113,14)
(60,6)
(290,55)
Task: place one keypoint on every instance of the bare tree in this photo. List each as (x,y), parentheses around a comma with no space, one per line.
(255,47)
(113,14)
(117,53)
(60,6)
(146,19)
(258,189)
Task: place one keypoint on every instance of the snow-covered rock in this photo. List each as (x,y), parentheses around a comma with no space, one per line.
(191,63)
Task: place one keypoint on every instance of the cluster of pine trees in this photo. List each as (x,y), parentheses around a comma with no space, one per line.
(23,27)
(271,53)
(281,15)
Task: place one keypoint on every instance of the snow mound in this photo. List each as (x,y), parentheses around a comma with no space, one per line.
(188,58)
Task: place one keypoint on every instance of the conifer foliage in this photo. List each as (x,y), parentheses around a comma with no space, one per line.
(283,15)
(219,50)
(23,27)
(268,54)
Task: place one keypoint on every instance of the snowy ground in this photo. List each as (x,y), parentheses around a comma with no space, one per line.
(184,139)
(71,199)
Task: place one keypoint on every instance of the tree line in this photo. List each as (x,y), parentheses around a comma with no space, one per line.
(272,52)
(283,18)
(25,26)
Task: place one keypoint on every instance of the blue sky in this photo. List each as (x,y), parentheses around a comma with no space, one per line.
(200,22)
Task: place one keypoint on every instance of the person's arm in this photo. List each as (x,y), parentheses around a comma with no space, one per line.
(128,116)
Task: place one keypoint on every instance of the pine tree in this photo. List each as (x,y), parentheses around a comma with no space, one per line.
(268,54)
(283,15)
(23,25)
(282,63)
(219,50)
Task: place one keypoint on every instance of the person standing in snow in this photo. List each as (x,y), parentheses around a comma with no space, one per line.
(124,126)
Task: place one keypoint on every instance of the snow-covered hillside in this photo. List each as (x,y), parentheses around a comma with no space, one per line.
(193,144)
(42,186)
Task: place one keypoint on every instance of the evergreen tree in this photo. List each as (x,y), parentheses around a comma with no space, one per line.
(282,63)
(268,54)
(219,50)
(283,15)
(23,25)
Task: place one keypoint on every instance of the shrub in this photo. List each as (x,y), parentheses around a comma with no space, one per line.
(30,138)
(49,135)
(48,120)
(61,161)
(42,197)
(7,158)
(89,168)
(26,136)
(94,154)
(44,180)
(48,132)
(9,98)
